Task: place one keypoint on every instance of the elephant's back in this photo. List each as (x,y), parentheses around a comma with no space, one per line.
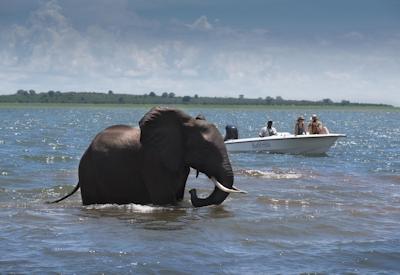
(117,137)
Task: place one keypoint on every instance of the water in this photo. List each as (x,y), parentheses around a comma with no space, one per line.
(338,213)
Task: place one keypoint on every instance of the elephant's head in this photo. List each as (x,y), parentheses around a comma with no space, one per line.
(182,141)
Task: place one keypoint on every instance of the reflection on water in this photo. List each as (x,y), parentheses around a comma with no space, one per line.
(338,213)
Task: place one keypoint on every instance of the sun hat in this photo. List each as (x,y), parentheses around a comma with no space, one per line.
(300,118)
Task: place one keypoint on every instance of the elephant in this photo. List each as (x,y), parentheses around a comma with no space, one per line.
(150,164)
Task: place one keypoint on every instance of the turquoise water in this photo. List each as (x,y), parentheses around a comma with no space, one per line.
(337,213)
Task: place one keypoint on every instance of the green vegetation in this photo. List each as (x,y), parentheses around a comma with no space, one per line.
(57,97)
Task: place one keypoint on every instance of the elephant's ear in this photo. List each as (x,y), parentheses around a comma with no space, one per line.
(162,135)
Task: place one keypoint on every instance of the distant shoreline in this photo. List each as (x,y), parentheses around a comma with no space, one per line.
(4,105)
(151,99)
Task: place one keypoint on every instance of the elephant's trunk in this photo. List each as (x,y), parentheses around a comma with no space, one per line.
(225,178)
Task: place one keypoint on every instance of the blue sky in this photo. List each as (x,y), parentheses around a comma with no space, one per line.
(310,49)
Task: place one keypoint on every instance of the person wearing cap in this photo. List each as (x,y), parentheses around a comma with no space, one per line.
(268,130)
(315,126)
(300,128)
(200,117)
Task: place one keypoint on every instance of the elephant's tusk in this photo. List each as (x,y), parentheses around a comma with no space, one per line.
(225,189)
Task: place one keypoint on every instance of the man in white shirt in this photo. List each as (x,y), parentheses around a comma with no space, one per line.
(268,130)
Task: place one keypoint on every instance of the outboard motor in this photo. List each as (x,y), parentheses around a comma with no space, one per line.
(231,132)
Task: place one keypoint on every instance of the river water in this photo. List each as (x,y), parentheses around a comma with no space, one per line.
(336,213)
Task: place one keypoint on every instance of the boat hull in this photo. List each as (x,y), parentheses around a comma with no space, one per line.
(291,144)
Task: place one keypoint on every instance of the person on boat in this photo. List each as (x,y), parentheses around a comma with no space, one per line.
(300,128)
(315,126)
(268,130)
(200,117)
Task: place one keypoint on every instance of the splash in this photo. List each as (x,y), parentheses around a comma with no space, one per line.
(269,174)
(134,208)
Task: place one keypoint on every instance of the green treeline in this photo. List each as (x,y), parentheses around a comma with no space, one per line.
(30,96)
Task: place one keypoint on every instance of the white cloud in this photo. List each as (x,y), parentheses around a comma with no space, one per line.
(201,24)
(238,66)
(49,15)
(338,75)
(354,35)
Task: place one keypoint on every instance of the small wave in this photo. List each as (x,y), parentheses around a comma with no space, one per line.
(56,146)
(392,178)
(283,202)
(269,174)
(58,191)
(48,159)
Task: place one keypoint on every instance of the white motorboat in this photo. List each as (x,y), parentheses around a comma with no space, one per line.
(285,143)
